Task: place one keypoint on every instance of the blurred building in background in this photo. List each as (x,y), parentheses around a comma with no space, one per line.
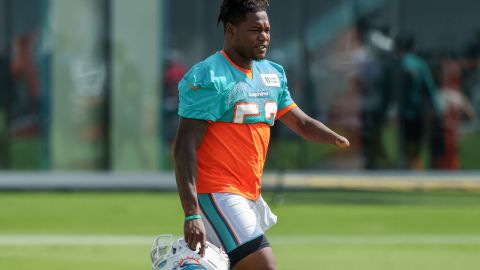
(91,85)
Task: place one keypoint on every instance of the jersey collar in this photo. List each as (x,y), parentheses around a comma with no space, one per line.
(247,72)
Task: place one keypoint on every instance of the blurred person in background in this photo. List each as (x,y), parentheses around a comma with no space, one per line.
(456,105)
(417,89)
(173,72)
(28,18)
(374,78)
(227,104)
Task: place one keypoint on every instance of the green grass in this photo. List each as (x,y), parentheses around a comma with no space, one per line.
(469,147)
(315,230)
(76,257)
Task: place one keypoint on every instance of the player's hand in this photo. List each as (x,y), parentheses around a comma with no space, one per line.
(342,142)
(194,233)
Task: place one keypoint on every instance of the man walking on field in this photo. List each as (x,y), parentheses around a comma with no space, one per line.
(227,104)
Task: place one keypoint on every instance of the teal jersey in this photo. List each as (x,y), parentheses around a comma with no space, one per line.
(420,79)
(217,91)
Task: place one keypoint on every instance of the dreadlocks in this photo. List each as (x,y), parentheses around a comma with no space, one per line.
(235,11)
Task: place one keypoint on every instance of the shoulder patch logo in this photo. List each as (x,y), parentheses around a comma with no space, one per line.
(270,79)
(194,87)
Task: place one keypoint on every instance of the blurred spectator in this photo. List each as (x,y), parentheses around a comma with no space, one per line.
(342,75)
(28,18)
(455,104)
(173,73)
(375,77)
(417,89)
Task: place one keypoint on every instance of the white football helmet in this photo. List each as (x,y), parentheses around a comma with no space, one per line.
(176,255)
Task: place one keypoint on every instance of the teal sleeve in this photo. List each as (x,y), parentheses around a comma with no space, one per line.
(199,97)
(285,99)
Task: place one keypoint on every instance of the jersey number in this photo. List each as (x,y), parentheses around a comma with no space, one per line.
(243,109)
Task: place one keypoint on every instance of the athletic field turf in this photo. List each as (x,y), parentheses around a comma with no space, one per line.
(316,230)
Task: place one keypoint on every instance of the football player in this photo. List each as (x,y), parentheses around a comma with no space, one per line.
(227,104)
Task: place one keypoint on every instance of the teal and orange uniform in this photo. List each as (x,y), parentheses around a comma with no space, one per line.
(240,106)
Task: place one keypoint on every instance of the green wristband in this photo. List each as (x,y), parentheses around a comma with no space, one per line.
(193,217)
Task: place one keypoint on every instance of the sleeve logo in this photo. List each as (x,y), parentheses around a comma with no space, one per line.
(194,87)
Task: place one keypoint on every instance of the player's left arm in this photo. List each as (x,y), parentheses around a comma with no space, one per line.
(311,129)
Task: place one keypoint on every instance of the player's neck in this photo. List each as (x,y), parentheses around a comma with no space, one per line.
(238,59)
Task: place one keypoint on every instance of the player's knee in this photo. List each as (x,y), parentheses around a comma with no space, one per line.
(256,251)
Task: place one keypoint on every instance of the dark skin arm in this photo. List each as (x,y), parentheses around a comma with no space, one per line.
(312,129)
(189,136)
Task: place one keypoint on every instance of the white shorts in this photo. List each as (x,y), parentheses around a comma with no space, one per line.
(232,220)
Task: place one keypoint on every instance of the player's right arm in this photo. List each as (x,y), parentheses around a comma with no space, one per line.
(311,129)
(189,136)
